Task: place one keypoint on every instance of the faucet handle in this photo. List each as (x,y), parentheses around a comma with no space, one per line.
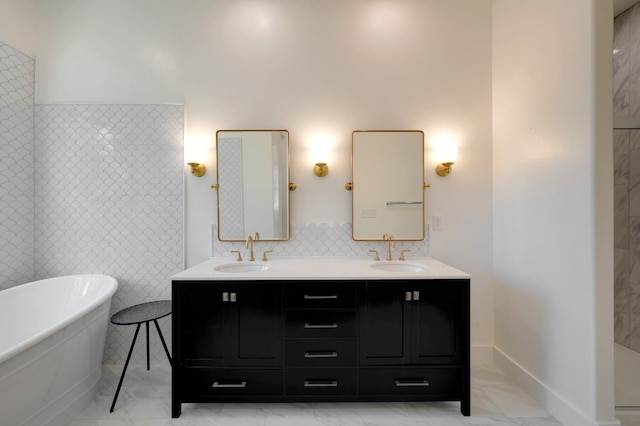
(402,252)
(256,236)
(377,256)
(239,259)
(264,255)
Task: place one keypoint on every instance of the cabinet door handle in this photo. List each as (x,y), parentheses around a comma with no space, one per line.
(313,383)
(331,325)
(232,297)
(320,297)
(239,384)
(407,296)
(411,383)
(416,295)
(321,354)
(225,296)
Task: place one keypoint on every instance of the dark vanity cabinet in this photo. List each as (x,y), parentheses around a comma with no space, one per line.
(405,322)
(311,340)
(226,340)
(414,340)
(320,339)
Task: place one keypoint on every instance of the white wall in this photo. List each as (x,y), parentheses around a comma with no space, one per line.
(17,25)
(320,69)
(552,211)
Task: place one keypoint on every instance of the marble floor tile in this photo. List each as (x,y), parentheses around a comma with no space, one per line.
(513,401)
(146,395)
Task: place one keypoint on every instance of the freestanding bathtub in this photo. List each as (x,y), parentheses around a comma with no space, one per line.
(52,335)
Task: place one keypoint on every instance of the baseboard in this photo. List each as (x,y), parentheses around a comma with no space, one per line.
(565,412)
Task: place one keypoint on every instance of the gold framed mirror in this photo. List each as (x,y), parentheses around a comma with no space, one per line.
(387,189)
(253,184)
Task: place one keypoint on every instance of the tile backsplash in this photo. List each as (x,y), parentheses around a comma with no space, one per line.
(17,222)
(324,239)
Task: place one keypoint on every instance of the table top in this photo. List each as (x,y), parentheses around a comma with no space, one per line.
(143,312)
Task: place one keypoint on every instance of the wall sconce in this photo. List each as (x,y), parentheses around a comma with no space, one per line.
(446,154)
(443,169)
(197,169)
(321,169)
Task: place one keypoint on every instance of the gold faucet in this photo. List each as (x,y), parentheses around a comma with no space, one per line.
(390,240)
(402,252)
(250,241)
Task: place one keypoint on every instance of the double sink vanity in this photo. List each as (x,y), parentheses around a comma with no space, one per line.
(350,328)
(320,329)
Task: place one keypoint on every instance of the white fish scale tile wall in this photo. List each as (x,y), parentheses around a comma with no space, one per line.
(16,167)
(109,191)
(324,239)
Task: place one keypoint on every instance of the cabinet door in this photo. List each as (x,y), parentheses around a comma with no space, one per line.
(436,319)
(204,325)
(257,325)
(385,337)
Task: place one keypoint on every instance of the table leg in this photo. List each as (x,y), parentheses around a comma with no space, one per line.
(147,324)
(126,364)
(164,344)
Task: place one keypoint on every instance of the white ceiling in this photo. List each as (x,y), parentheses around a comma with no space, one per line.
(620,6)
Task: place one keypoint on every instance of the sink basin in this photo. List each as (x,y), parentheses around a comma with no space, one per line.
(398,267)
(241,267)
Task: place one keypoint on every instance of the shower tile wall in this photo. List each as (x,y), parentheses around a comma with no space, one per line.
(109,199)
(626,103)
(16,167)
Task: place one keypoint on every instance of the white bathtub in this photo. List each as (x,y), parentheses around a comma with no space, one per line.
(52,335)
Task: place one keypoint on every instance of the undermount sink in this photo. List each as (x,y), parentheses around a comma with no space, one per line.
(241,267)
(398,267)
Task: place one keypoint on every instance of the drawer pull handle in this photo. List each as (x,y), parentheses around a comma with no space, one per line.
(328,354)
(242,384)
(311,297)
(320,383)
(412,383)
(331,325)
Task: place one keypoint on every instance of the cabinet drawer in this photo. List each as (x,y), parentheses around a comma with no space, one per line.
(411,381)
(312,324)
(231,381)
(320,381)
(324,353)
(320,295)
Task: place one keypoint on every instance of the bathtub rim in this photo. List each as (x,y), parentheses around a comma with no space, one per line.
(32,340)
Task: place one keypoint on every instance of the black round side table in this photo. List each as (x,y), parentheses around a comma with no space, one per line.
(138,314)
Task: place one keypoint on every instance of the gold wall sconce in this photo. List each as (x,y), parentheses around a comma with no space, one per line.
(321,169)
(197,169)
(443,169)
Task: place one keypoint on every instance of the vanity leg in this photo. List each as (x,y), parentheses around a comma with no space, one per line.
(176,408)
(465,406)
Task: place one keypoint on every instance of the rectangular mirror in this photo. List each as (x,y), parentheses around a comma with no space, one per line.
(388,185)
(253,184)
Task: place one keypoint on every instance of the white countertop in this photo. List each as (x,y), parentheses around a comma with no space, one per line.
(320,268)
